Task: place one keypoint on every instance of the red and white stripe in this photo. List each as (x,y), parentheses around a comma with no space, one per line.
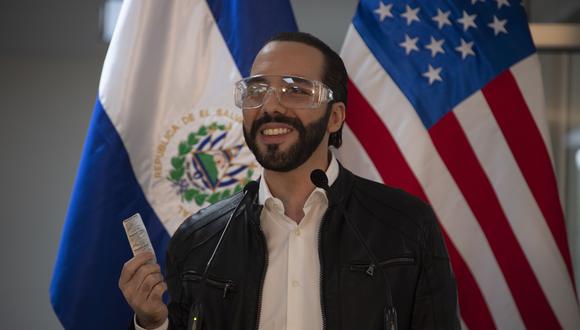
(502,223)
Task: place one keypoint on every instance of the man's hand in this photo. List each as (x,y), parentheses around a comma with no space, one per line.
(142,285)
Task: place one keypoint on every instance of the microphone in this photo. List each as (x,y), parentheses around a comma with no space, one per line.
(196,312)
(320,180)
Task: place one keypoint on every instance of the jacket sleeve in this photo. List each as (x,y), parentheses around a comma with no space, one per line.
(436,304)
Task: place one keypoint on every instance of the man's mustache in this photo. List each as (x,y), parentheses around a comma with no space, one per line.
(277,118)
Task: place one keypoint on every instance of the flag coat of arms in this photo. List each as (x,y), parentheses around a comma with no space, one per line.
(165,140)
(446,102)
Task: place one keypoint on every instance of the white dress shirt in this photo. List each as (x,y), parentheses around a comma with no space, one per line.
(291,289)
(291,292)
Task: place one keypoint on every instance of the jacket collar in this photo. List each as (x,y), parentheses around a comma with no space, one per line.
(342,187)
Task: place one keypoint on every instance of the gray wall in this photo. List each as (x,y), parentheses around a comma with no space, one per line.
(561,77)
(45,107)
(50,61)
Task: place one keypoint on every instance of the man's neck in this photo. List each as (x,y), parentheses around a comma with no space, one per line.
(294,187)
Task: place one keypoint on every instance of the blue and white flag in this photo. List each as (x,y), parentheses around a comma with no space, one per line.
(165,140)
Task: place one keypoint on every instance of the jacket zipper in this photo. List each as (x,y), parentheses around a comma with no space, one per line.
(394,261)
(226,286)
(263,277)
(320,256)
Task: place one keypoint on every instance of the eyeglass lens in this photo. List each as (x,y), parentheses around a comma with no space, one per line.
(291,92)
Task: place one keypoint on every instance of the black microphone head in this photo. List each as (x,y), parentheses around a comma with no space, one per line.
(319,178)
(251,188)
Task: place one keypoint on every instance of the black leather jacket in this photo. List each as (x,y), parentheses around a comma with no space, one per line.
(400,229)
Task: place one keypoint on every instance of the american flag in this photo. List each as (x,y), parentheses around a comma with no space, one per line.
(446,102)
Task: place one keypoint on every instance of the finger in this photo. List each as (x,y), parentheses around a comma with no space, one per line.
(131,289)
(147,286)
(157,291)
(142,273)
(137,289)
(149,282)
(131,266)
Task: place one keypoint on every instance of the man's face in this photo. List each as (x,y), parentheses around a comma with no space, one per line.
(282,138)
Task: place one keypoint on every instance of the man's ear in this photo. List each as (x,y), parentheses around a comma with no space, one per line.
(337,117)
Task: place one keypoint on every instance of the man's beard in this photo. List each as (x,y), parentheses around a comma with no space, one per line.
(309,138)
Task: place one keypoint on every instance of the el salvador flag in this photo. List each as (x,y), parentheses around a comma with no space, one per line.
(165,140)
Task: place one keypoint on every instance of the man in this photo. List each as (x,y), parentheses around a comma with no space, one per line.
(300,257)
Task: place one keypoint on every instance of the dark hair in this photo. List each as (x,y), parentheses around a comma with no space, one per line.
(334,73)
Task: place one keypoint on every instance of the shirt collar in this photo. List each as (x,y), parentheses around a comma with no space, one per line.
(331,173)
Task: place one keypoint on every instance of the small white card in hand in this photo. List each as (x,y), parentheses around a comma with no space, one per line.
(137,235)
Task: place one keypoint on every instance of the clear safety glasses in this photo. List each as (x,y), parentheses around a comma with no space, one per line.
(291,91)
